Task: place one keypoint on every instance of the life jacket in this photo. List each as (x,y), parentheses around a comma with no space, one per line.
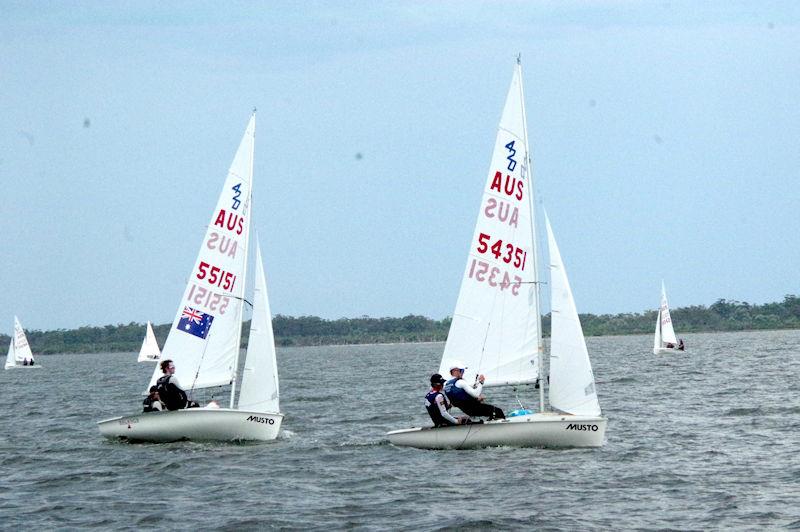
(456,394)
(433,409)
(173,397)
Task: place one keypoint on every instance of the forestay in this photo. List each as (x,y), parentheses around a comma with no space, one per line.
(495,323)
(572,388)
(259,391)
(205,336)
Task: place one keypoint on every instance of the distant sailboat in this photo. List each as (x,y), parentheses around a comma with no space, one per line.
(149,350)
(19,351)
(204,341)
(496,327)
(664,340)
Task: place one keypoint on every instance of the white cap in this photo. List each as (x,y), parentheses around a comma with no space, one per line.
(457,365)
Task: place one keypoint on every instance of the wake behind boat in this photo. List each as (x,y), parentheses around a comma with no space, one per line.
(496,327)
(205,335)
(19,354)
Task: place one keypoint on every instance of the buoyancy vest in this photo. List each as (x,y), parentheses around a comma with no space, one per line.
(433,409)
(456,394)
(173,397)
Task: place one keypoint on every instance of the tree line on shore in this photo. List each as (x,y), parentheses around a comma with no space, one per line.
(724,315)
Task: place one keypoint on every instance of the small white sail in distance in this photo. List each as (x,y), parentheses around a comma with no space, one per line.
(665,320)
(10,359)
(572,387)
(22,350)
(149,350)
(259,391)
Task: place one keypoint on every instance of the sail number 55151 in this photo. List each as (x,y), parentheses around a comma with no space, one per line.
(215,276)
(508,253)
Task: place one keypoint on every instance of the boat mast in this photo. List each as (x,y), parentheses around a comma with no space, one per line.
(244,271)
(536,284)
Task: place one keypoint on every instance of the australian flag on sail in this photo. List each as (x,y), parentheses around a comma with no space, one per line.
(195,322)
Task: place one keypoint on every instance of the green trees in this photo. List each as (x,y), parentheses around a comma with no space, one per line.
(723,315)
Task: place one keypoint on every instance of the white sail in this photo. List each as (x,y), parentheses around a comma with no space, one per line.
(259,391)
(657,335)
(667,332)
(149,350)
(22,350)
(495,328)
(572,388)
(206,333)
(10,360)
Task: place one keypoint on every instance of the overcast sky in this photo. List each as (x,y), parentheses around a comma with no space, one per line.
(665,140)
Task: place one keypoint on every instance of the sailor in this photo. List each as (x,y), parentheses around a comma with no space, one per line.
(152,403)
(468,398)
(681,345)
(169,389)
(437,405)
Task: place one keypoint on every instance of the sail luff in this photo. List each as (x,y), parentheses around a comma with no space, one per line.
(247,249)
(534,243)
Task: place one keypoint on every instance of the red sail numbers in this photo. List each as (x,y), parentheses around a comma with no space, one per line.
(510,186)
(230,221)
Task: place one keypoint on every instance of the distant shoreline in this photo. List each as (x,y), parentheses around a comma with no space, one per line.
(303,331)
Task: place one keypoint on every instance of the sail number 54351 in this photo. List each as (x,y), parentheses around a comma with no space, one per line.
(215,276)
(484,272)
(508,252)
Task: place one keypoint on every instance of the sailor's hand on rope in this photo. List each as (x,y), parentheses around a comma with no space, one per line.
(481,378)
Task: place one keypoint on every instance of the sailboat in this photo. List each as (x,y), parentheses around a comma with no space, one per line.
(205,336)
(19,351)
(496,326)
(664,340)
(149,350)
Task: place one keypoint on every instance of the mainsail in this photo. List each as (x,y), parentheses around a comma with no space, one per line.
(205,336)
(664,326)
(495,327)
(22,350)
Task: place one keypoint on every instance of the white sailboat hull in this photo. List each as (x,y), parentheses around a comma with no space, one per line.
(667,350)
(534,430)
(197,424)
(23,367)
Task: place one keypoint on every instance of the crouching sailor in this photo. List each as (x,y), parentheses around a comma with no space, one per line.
(152,403)
(468,398)
(169,390)
(437,405)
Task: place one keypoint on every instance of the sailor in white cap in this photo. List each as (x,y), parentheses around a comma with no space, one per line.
(469,398)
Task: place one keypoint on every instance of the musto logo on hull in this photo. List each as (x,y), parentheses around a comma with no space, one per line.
(575,426)
(265,420)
